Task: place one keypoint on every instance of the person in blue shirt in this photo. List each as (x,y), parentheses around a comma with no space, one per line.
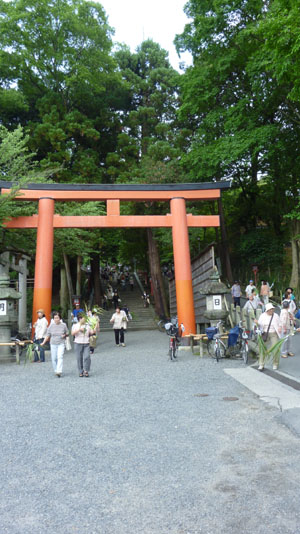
(75,312)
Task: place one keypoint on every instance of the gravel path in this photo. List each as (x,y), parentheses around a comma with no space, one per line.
(135,448)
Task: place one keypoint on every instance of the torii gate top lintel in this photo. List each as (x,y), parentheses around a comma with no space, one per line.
(135,192)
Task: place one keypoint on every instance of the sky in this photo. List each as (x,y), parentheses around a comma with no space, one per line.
(137,20)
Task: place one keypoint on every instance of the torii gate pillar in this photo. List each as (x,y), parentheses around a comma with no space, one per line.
(44,258)
(182,265)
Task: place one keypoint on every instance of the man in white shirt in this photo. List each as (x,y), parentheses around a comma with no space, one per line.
(252,304)
(250,288)
(269,322)
(40,329)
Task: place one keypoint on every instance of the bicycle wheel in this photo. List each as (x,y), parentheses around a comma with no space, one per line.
(244,352)
(219,351)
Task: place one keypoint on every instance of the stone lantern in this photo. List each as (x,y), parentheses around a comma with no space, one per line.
(215,293)
(8,297)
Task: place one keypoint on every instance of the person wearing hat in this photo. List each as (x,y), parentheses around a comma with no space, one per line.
(40,329)
(269,323)
(249,288)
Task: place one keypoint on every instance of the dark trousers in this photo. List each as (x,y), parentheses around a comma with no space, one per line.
(119,335)
(41,350)
(237,301)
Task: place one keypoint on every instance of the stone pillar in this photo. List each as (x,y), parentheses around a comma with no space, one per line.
(22,314)
(7,297)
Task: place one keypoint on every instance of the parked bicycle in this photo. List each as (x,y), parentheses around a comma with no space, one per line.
(237,346)
(174,332)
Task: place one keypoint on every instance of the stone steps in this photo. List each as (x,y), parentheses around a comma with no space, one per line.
(142,318)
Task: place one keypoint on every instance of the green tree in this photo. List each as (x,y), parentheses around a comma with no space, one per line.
(237,103)
(59,53)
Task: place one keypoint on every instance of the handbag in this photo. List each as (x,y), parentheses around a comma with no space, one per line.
(265,334)
(93,341)
(68,343)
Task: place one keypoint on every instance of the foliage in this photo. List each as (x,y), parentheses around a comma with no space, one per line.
(17,166)
(270,353)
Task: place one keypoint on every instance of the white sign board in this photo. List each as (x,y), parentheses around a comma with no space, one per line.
(3,304)
(217,300)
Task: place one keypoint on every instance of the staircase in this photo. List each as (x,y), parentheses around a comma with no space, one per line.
(142,318)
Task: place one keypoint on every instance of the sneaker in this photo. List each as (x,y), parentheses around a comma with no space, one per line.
(261,368)
(123,345)
(275,367)
(118,345)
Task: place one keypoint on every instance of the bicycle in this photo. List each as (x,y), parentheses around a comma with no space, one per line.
(172,330)
(217,348)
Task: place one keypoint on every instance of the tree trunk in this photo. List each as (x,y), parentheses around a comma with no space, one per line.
(69,279)
(63,294)
(78,275)
(95,271)
(295,276)
(160,301)
(225,248)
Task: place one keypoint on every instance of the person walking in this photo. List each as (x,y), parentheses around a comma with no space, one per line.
(265,291)
(236,293)
(116,299)
(57,333)
(119,320)
(75,312)
(286,324)
(249,288)
(288,298)
(146,299)
(131,282)
(40,330)
(252,304)
(82,332)
(269,324)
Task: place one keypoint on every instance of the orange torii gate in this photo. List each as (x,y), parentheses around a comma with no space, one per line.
(176,194)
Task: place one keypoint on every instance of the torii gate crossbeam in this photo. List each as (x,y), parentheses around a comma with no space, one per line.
(176,194)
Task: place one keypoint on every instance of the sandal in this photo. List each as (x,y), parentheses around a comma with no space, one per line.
(291,354)
(284,355)
(86,374)
(81,375)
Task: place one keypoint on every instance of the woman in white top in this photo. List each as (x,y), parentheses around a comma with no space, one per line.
(40,329)
(82,332)
(288,298)
(119,320)
(269,322)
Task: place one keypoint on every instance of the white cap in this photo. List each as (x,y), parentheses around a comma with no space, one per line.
(270,306)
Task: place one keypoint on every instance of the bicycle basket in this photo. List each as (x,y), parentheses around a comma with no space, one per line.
(171,329)
(233,336)
(211,331)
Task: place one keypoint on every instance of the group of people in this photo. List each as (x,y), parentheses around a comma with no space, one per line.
(272,325)
(84,331)
(251,291)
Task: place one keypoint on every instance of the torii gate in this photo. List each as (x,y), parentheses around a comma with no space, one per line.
(176,194)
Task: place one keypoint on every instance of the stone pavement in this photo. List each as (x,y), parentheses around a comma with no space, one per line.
(144,445)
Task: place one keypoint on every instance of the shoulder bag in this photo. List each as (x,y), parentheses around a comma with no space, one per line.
(265,334)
